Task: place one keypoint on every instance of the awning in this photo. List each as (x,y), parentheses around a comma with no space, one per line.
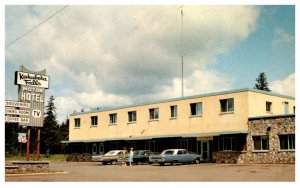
(132,138)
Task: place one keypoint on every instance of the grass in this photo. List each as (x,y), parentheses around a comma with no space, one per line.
(43,157)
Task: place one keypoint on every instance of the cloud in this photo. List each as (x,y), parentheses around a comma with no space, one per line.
(126,54)
(281,37)
(285,86)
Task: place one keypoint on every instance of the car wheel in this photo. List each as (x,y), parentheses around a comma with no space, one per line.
(138,162)
(113,162)
(161,164)
(173,163)
(197,161)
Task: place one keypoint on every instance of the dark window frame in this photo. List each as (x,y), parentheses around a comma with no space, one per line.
(154,113)
(94,120)
(196,109)
(132,116)
(77,122)
(227,105)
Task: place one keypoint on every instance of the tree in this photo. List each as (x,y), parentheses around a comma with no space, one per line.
(262,83)
(63,135)
(49,132)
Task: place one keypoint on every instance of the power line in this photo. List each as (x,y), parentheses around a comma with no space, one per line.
(18,38)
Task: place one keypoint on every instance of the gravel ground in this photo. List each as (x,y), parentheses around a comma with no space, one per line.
(204,172)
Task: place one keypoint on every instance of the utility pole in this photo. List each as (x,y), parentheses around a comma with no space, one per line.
(182,92)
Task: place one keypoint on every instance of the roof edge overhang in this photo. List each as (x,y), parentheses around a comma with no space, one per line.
(132,138)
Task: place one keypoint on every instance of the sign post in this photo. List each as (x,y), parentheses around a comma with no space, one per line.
(29,110)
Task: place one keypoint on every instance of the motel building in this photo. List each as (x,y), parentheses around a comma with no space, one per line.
(237,126)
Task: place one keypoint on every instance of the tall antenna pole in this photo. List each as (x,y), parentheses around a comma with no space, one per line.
(182,93)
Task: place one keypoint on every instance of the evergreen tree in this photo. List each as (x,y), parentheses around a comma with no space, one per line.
(63,135)
(262,83)
(49,132)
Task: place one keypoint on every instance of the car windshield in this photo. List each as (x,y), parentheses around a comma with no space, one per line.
(111,153)
(168,152)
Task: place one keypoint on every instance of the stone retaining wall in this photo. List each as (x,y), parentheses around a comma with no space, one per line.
(32,165)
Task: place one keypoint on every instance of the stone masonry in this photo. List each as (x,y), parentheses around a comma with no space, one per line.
(271,126)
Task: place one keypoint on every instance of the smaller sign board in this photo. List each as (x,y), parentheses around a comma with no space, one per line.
(12,119)
(22,137)
(13,111)
(17,104)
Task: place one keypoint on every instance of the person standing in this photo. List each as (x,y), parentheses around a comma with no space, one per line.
(130,156)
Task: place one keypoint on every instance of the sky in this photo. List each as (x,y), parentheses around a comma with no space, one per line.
(99,56)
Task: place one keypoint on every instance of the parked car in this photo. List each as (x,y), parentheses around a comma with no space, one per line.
(174,156)
(109,157)
(141,156)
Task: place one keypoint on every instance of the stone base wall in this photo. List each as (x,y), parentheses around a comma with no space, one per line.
(76,157)
(271,126)
(283,157)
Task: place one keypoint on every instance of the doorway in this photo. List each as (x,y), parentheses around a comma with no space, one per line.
(203,148)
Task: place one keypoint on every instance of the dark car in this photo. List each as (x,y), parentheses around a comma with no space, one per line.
(141,156)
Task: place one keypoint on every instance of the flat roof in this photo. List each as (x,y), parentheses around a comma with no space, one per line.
(102,109)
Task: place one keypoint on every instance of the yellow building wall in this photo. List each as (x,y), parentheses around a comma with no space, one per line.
(257,104)
(246,104)
(211,120)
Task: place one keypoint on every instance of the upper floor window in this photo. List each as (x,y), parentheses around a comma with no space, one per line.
(94,120)
(287,141)
(132,116)
(196,108)
(261,142)
(154,113)
(227,105)
(112,118)
(269,106)
(77,122)
(173,111)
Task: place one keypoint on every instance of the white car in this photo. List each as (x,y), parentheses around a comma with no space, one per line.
(109,157)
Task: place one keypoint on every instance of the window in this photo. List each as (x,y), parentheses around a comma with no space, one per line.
(154,113)
(227,143)
(196,108)
(132,116)
(261,142)
(112,118)
(269,106)
(227,105)
(77,122)
(94,120)
(173,111)
(287,142)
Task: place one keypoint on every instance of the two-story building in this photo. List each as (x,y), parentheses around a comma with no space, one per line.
(217,125)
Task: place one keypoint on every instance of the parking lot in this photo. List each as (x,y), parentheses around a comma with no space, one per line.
(203,172)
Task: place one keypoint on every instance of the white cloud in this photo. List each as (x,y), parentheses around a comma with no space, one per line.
(116,53)
(285,86)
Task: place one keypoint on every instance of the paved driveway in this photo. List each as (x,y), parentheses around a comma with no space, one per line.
(204,172)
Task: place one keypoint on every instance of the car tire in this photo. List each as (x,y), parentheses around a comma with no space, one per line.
(197,161)
(173,163)
(161,164)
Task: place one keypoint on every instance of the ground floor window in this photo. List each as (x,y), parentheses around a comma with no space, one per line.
(287,142)
(227,144)
(261,142)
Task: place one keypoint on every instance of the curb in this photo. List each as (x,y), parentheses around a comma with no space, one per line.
(32,174)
